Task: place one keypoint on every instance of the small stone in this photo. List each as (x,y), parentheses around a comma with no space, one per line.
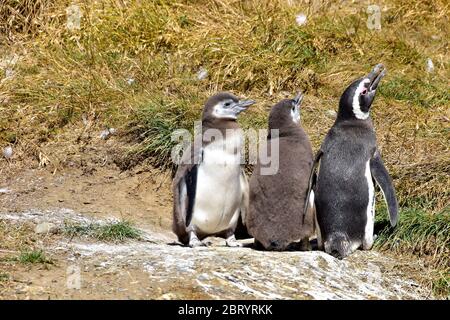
(351,31)
(168,296)
(74,15)
(4,100)
(9,73)
(8,152)
(130,81)
(300,19)
(4,190)
(203,276)
(106,133)
(85,119)
(430,65)
(331,113)
(202,74)
(45,227)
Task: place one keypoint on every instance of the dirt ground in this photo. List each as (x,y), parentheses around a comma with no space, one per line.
(84,184)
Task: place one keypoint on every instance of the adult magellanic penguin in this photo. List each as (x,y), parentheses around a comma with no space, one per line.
(349,161)
(210,188)
(277,199)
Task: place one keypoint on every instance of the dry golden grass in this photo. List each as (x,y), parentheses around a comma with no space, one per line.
(22,18)
(421,234)
(253,48)
(19,245)
(15,237)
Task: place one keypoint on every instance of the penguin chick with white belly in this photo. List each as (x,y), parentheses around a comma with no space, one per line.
(349,160)
(277,198)
(210,189)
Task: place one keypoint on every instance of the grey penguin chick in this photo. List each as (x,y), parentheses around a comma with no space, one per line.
(210,189)
(349,161)
(277,199)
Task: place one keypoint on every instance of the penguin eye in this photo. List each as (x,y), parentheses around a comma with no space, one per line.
(364,91)
(227,104)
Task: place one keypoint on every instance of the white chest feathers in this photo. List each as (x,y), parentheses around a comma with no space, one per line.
(219,190)
(370,210)
(224,151)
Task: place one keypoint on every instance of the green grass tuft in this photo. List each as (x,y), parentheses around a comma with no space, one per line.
(441,284)
(4,277)
(422,234)
(417,91)
(114,232)
(117,232)
(154,124)
(33,256)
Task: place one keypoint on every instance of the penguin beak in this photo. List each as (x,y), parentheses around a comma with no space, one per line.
(375,76)
(298,99)
(242,105)
(295,111)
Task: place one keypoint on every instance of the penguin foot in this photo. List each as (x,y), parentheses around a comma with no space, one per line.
(304,245)
(232,242)
(193,243)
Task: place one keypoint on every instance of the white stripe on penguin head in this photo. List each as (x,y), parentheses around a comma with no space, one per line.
(295,115)
(355,104)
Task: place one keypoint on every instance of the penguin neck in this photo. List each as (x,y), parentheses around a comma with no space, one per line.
(212,127)
(344,119)
(346,114)
(286,131)
(219,124)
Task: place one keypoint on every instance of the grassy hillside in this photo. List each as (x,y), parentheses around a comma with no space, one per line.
(134,65)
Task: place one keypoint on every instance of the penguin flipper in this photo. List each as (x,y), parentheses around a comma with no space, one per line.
(184,194)
(191,186)
(384,181)
(241,231)
(311,182)
(184,189)
(245,195)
